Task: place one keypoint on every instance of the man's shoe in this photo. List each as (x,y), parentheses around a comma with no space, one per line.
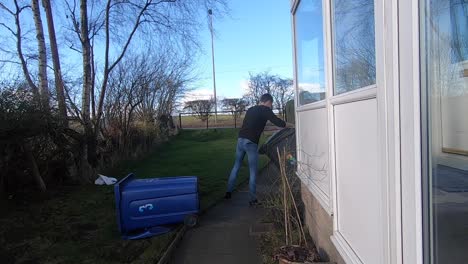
(227,196)
(254,203)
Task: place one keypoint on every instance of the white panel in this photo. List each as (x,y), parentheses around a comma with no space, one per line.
(454,132)
(313,151)
(359,197)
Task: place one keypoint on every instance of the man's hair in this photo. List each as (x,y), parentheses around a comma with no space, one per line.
(266,98)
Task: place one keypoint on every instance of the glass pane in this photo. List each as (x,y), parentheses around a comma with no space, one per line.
(309,51)
(354,44)
(445,67)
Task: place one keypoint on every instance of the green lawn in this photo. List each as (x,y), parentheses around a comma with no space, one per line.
(78,224)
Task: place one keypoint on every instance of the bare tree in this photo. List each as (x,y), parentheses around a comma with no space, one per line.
(59,85)
(142,90)
(127,88)
(158,16)
(89,146)
(123,21)
(202,108)
(18,35)
(259,84)
(170,75)
(42,52)
(282,92)
(93,95)
(235,105)
(265,82)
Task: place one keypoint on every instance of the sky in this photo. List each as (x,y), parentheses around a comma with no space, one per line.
(255,37)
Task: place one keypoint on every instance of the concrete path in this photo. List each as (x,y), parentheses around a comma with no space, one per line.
(226,233)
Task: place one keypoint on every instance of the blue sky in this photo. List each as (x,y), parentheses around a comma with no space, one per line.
(255,37)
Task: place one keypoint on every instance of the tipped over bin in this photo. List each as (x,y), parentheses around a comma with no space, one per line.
(149,207)
(284,140)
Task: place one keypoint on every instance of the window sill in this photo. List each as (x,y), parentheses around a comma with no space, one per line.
(312,106)
(361,94)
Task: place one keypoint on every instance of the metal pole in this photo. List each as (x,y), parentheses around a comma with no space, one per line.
(235,119)
(180,120)
(210,13)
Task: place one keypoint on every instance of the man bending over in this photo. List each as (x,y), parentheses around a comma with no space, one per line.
(249,135)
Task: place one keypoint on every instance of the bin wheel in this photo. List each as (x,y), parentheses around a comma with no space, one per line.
(191,220)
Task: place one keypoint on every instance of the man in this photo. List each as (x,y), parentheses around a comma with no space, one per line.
(249,135)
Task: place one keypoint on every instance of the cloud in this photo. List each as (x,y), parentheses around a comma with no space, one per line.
(244,84)
(311,87)
(199,94)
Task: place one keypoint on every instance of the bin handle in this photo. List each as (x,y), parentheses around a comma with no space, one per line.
(125,180)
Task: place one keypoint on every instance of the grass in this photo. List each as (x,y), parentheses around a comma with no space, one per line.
(208,154)
(77,224)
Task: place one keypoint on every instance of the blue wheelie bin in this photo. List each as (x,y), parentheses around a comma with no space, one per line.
(283,140)
(149,207)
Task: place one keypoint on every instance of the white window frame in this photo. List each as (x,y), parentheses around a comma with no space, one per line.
(324,199)
(355,94)
(410,122)
(398,92)
(321,103)
(376,91)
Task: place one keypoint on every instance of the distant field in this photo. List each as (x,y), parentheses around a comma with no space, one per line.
(223,120)
(191,121)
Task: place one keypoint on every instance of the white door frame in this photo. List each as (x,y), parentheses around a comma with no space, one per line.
(383,90)
(410,123)
(398,92)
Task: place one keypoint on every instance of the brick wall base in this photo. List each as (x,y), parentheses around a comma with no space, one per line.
(320,226)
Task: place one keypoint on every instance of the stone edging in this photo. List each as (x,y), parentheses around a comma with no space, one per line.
(168,253)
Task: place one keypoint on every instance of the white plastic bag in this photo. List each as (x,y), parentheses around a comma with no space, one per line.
(104,180)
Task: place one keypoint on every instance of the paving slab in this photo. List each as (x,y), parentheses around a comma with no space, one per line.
(227,232)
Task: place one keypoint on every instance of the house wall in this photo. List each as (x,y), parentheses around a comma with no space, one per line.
(320,226)
(348,152)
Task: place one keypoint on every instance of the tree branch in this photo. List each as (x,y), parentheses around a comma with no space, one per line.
(8,28)
(73,106)
(7,9)
(75,49)
(20,49)
(10,61)
(130,37)
(75,23)
(107,68)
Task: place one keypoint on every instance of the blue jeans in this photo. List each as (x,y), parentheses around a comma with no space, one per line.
(245,146)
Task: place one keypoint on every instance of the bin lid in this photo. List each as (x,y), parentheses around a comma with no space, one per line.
(276,138)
